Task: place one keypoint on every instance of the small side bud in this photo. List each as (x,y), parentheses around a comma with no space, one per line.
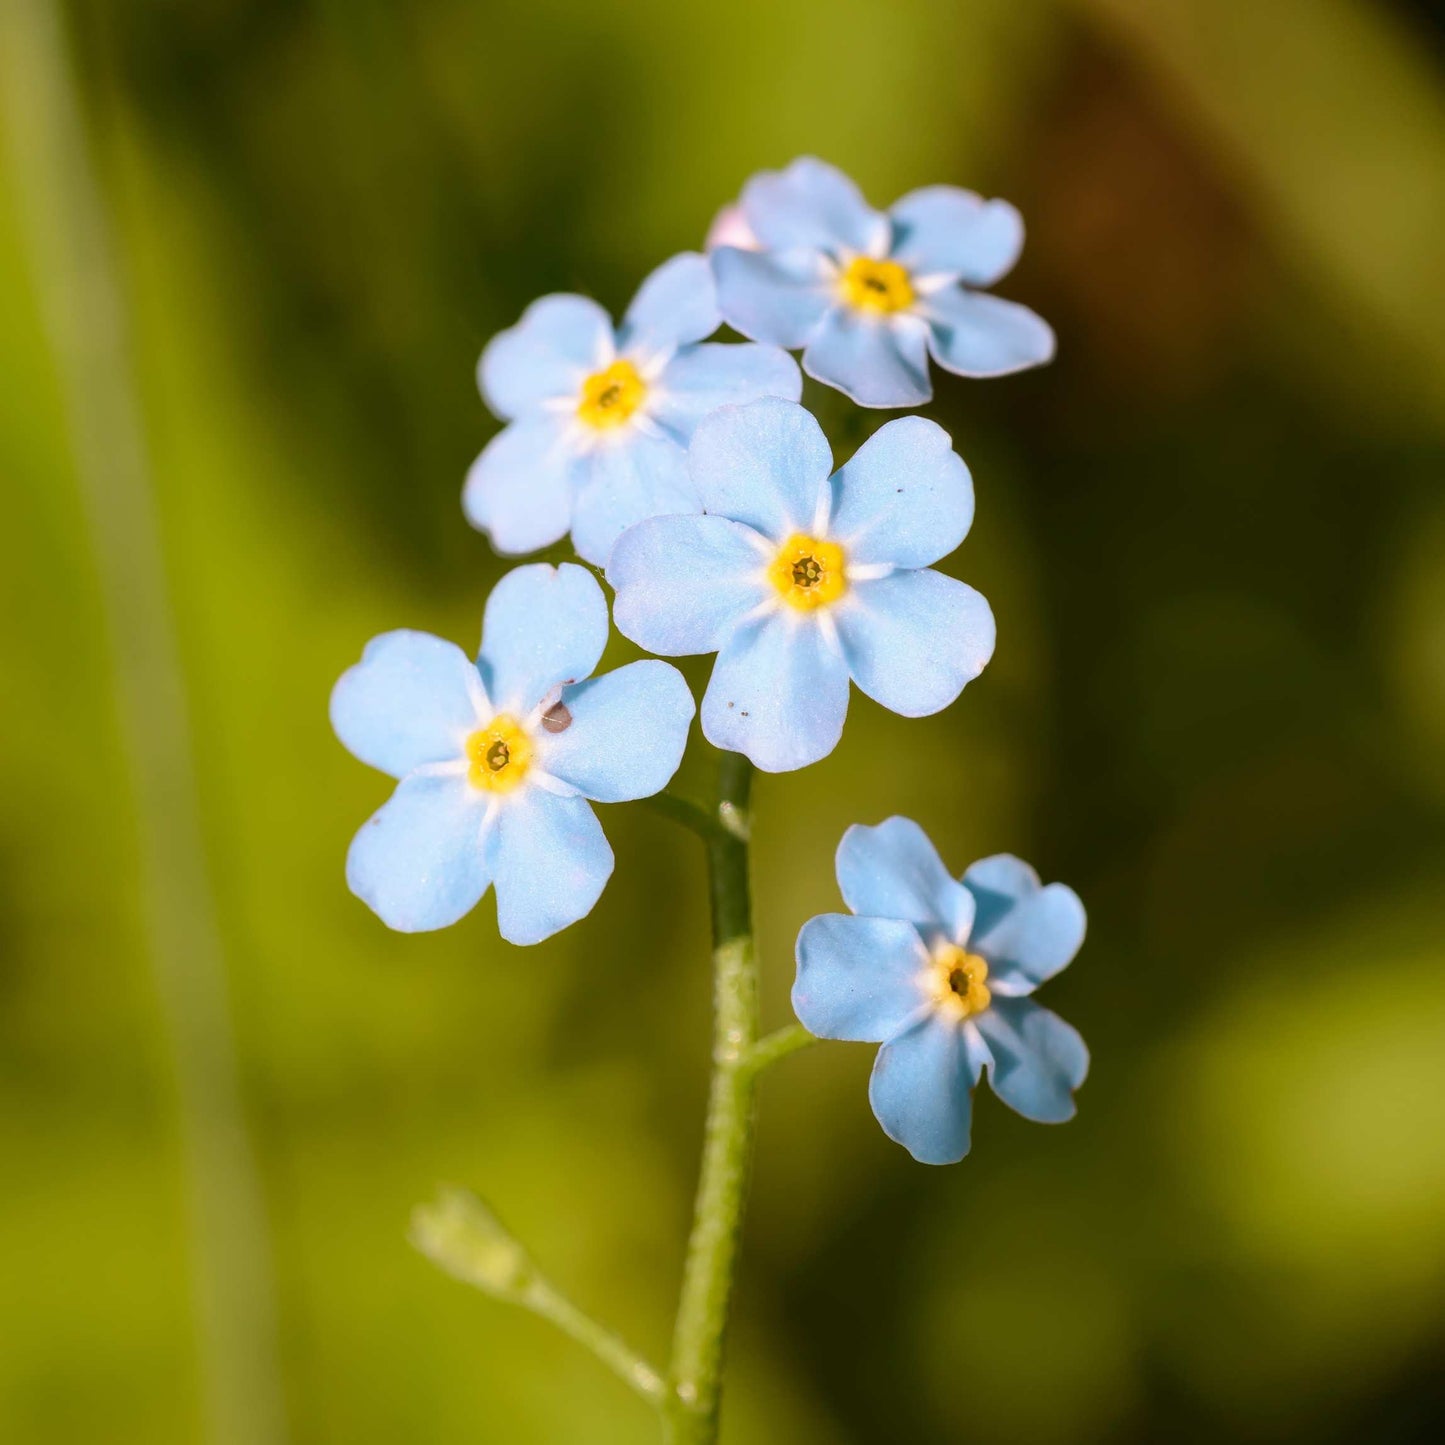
(734,820)
(461,1235)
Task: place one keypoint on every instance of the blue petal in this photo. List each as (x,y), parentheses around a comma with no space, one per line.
(424,859)
(552,863)
(778,296)
(972,334)
(873,360)
(627,732)
(543,626)
(412,699)
(699,379)
(942,230)
(921,1089)
(914,639)
(812,204)
(684,583)
(894,871)
(998,884)
(765,465)
(634,476)
(858,977)
(1038,1059)
(676,305)
(904,496)
(520,490)
(779,693)
(1027,932)
(559,341)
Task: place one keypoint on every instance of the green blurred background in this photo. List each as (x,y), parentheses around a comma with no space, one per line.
(1214,536)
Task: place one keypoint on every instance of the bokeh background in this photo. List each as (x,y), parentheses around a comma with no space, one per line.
(249,253)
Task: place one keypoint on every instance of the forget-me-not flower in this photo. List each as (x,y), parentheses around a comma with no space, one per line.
(497,759)
(799,580)
(599,418)
(869,294)
(939,972)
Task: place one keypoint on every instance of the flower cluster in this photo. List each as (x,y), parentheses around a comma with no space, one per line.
(689,475)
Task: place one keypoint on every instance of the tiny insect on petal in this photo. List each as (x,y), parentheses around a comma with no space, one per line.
(557,719)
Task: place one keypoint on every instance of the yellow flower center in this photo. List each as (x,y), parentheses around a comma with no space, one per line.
(958,982)
(499,755)
(881,286)
(808,572)
(610,396)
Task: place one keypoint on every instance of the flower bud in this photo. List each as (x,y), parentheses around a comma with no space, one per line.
(461,1235)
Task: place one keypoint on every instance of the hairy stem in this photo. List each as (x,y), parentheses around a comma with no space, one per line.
(691,1409)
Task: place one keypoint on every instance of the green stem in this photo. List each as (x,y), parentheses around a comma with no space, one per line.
(685,811)
(460,1234)
(543,1299)
(778,1045)
(691,1409)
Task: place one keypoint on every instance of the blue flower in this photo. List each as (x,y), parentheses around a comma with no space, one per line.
(869,295)
(939,972)
(497,759)
(799,581)
(600,418)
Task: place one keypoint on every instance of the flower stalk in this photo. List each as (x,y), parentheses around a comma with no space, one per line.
(778,1045)
(691,1408)
(461,1235)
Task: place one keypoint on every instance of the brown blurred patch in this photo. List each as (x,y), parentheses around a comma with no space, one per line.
(1142,250)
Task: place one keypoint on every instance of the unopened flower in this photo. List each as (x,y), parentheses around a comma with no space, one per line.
(939,971)
(497,759)
(870,294)
(600,417)
(799,580)
(730,228)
